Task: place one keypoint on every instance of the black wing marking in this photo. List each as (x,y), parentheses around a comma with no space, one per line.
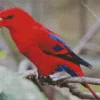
(73,57)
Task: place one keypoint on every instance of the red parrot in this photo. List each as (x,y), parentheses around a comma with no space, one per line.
(41,46)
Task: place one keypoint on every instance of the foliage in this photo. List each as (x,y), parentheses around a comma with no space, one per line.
(14,87)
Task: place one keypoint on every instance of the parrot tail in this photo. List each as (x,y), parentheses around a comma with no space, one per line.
(91,90)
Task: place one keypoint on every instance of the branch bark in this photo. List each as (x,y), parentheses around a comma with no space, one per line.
(68,82)
(88,80)
(62,82)
(83,95)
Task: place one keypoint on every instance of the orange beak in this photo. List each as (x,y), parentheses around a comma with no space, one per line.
(1,22)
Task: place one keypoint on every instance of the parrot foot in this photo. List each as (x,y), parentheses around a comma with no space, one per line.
(47,79)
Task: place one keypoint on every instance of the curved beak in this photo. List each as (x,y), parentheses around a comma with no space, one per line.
(1,19)
(1,22)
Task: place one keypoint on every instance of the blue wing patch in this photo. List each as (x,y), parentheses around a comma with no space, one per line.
(75,58)
(52,36)
(56,38)
(65,68)
(57,48)
(60,40)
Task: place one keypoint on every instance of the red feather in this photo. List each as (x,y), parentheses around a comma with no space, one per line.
(43,47)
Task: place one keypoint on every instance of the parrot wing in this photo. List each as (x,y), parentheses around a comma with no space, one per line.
(64,51)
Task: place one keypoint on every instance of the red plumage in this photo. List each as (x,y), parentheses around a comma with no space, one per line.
(43,47)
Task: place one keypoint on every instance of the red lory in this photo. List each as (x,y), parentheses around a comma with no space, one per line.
(41,46)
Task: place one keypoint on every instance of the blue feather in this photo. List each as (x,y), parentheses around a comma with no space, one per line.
(58,48)
(52,36)
(75,59)
(66,69)
(60,40)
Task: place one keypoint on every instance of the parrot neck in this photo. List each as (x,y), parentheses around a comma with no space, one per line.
(23,36)
(23,41)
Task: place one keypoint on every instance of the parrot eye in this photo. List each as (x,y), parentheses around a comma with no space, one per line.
(9,17)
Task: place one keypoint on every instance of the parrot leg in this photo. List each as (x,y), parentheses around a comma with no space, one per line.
(40,79)
(44,80)
(49,80)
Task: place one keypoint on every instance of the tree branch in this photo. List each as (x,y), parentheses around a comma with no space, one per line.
(63,82)
(88,80)
(68,82)
(83,95)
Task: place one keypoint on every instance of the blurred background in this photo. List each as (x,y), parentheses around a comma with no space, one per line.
(77,25)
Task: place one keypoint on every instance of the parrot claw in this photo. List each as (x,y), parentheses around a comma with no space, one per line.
(30,77)
(47,80)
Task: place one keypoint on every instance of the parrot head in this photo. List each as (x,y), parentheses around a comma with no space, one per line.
(15,18)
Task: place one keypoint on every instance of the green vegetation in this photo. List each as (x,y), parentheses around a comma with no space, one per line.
(2,54)
(94,87)
(15,87)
